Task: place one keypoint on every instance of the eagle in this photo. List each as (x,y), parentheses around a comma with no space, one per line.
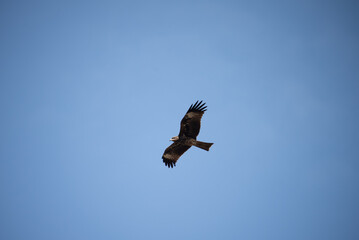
(190,126)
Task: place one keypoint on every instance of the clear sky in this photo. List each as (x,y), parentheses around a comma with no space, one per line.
(92,91)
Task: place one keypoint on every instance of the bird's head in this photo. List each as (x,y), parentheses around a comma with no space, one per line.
(174,138)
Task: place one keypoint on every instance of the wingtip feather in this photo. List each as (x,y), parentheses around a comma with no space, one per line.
(168,162)
(198,106)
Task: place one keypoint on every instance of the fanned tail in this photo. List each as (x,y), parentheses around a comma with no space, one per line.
(203,145)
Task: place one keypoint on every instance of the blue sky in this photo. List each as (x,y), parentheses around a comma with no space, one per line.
(91,92)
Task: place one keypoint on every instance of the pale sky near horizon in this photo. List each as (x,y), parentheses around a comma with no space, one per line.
(92,91)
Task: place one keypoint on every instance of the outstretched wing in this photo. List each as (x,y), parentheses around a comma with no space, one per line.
(173,153)
(191,122)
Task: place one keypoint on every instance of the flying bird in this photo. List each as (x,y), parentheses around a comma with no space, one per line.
(190,126)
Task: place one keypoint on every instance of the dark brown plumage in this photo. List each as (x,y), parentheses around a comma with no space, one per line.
(190,127)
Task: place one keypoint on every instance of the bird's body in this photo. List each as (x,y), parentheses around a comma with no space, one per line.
(187,137)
